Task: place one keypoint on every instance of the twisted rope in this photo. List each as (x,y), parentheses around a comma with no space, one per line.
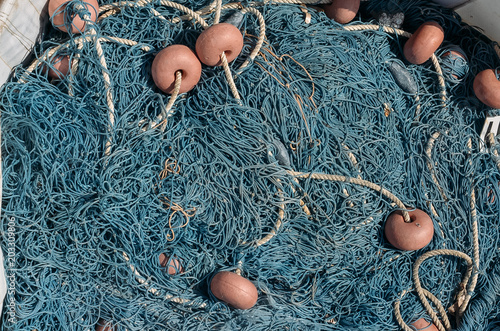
(428,153)
(161,120)
(424,294)
(74,67)
(419,289)
(397,310)
(253,54)
(218,5)
(188,11)
(475,241)
(437,66)
(361,27)
(229,77)
(107,81)
(155,291)
(79,40)
(301,202)
(109,93)
(272,233)
(417,110)
(113,8)
(397,314)
(109,10)
(356,181)
(475,235)
(260,40)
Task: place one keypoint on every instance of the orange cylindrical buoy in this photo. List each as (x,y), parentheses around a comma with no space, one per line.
(421,325)
(174,265)
(218,38)
(423,43)
(172,59)
(234,290)
(58,7)
(59,67)
(412,235)
(491,194)
(102,325)
(342,11)
(487,88)
(454,63)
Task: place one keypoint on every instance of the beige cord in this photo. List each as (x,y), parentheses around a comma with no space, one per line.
(161,120)
(260,40)
(356,181)
(229,77)
(153,290)
(218,5)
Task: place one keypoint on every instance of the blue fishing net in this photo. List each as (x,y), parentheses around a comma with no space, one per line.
(94,201)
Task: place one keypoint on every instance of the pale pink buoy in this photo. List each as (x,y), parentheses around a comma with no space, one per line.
(342,11)
(487,88)
(233,289)
(59,67)
(218,38)
(453,55)
(77,23)
(421,325)
(172,59)
(412,235)
(174,265)
(103,325)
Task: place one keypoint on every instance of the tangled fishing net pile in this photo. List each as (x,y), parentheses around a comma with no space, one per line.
(259,170)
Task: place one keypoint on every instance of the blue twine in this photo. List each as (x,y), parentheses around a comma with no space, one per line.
(317,98)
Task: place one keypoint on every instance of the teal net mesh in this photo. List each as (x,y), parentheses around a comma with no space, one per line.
(93,194)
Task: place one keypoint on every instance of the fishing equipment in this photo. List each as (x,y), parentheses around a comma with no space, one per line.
(491,129)
(216,40)
(173,61)
(454,62)
(59,67)
(342,11)
(424,42)
(174,264)
(486,87)
(233,289)
(403,78)
(422,324)
(65,18)
(279,170)
(412,235)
